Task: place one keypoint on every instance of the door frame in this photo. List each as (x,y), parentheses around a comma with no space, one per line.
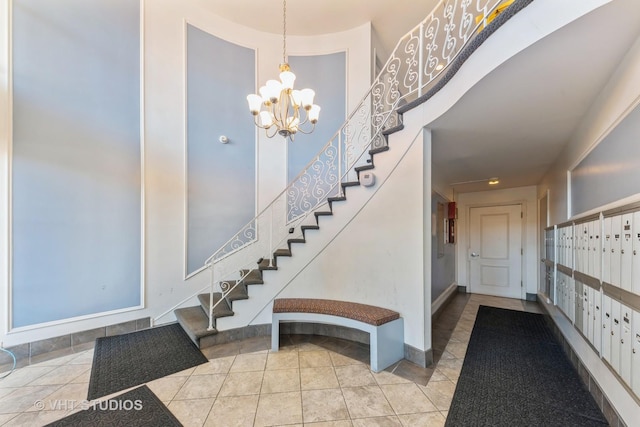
(522,240)
(527,197)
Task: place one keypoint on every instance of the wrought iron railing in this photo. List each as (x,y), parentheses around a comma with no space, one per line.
(417,62)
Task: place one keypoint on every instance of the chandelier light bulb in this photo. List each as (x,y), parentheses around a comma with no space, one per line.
(307,96)
(296,96)
(266,120)
(287,78)
(314,113)
(255,102)
(273,90)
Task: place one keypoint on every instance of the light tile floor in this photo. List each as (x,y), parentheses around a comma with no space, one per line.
(311,381)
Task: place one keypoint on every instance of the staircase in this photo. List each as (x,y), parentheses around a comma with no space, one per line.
(195,320)
(415,71)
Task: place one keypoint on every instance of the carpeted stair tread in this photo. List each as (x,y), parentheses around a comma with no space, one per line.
(264,264)
(237,291)
(394,129)
(296,241)
(365,167)
(252,277)
(195,322)
(220,310)
(282,252)
(336,199)
(379,150)
(350,184)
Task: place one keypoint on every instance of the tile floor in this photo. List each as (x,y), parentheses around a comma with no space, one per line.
(312,381)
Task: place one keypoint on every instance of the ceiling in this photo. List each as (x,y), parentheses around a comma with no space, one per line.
(391,19)
(552,83)
(515,122)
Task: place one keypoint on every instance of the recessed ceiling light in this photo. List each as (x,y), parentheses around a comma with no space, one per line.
(494,181)
(439,67)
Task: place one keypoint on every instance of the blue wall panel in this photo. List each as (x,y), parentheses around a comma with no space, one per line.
(611,171)
(326,75)
(76,203)
(221,177)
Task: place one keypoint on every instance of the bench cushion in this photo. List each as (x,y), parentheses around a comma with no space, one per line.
(352,310)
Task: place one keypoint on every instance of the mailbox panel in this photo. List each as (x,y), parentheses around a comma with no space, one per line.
(625,343)
(626,250)
(606,250)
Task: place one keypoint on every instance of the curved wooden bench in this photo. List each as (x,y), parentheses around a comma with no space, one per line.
(385,327)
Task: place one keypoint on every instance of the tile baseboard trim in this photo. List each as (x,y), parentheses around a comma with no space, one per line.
(38,351)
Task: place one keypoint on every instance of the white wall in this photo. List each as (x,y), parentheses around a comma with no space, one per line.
(523,195)
(376,248)
(164,23)
(618,97)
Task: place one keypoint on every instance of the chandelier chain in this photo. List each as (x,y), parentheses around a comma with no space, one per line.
(284,31)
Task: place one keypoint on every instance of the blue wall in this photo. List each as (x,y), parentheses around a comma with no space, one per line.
(221,177)
(326,75)
(76,198)
(615,160)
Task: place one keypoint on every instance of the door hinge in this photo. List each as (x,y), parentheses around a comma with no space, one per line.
(521,214)
(521,251)
(521,285)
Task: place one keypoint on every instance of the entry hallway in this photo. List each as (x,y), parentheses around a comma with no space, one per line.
(313,380)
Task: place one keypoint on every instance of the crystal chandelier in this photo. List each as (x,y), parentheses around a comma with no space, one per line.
(282,103)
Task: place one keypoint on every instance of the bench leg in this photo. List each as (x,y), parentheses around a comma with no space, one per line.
(387,345)
(275,334)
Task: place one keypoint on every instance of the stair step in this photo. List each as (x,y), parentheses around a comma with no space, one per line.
(220,310)
(322,213)
(336,199)
(350,184)
(238,291)
(252,277)
(393,130)
(304,228)
(282,252)
(365,167)
(195,322)
(290,241)
(379,150)
(264,264)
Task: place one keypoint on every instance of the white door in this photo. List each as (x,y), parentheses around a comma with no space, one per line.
(495,245)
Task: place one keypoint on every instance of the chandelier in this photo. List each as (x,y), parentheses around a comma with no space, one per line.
(278,107)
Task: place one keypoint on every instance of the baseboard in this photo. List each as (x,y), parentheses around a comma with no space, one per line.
(38,351)
(421,358)
(442,300)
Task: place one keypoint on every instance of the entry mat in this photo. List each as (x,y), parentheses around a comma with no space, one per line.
(136,408)
(124,361)
(515,373)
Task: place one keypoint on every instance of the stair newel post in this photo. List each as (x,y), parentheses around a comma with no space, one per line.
(210,328)
(420,58)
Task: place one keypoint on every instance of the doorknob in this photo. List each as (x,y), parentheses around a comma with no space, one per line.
(474,255)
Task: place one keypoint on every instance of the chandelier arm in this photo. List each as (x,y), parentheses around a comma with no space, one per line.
(257,123)
(307,132)
(275,131)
